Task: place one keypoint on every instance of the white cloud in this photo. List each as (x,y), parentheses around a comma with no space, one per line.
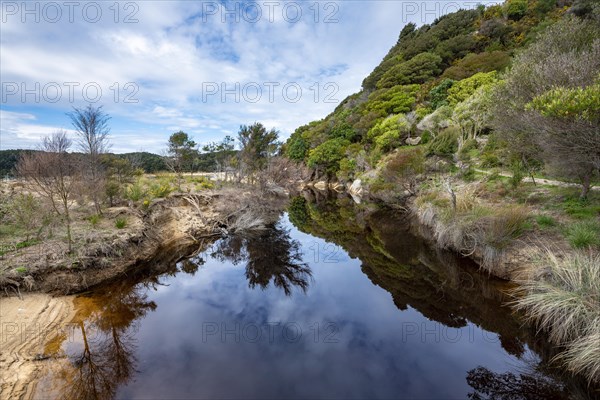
(172,53)
(20,130)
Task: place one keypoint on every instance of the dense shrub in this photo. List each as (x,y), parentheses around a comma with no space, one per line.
(445,144)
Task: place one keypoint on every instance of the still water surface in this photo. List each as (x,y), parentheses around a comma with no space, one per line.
(365,310)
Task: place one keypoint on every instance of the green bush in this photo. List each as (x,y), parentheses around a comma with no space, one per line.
(584,234)
(120,223)
(425,137)
(328,154)
(407,162)
(135,192)
(25,212)
(517,174)
(490,160)
(444,144)
(112,190)
(515,9)
(161,190)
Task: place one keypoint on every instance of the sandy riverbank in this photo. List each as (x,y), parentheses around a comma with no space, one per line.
(29,326)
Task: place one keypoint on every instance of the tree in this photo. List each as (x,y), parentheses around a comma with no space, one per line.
(257,145)
(436,121)
(326,156)
(118,172)
(515,9)
(438,95)
(223,153)
(576,112)
(91,125)
(530,106)
(297,146)
(181,153)
(473,114)
(270,256)
(419,69)
(52,173)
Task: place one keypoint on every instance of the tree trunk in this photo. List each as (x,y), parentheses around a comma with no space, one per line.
(586,183)
(68,218)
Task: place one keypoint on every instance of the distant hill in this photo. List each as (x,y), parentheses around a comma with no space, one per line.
(149,162)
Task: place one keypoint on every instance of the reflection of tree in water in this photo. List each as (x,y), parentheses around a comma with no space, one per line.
(509,386)
(270,255)
(107,358)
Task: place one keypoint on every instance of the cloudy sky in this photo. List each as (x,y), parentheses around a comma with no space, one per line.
(203,67)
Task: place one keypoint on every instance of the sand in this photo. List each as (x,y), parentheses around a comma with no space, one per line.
(28,328)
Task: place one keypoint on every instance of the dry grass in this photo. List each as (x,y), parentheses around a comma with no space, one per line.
(473,224)
(564,300)
(246,221)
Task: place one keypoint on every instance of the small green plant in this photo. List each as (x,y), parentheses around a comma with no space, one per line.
(207,185)
(545,221)
(517,174)
(584,234)
(26,243)
(21,270)
(161,190)
(94,219)
(135,192)
(120,223)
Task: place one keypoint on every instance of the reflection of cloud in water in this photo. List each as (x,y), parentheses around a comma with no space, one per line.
(354,343)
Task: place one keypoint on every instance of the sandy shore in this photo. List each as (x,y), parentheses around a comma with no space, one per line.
(28,328)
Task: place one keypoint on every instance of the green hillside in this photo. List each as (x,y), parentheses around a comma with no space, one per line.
(437,84)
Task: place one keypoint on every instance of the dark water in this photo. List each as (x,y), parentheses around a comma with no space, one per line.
(368,312)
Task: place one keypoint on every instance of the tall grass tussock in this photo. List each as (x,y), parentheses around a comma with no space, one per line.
(472,226)
(564,300)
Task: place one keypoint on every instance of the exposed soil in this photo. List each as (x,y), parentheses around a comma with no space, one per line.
(29,326)
(171,228)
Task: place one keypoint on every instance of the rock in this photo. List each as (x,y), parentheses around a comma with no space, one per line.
(413,141)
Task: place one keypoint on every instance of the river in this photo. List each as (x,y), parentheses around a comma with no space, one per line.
(333,301)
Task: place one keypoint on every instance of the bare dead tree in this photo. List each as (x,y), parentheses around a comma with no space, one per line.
(91,125)
(52,173)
